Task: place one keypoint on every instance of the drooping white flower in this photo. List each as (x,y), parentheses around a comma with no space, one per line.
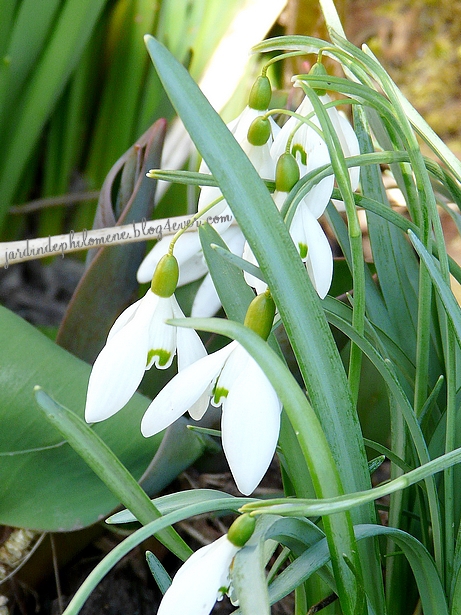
(259,156)
(138,339)
(192,265)
(250,409)
(200,581)
(188,250)
(206,576)
(310,152)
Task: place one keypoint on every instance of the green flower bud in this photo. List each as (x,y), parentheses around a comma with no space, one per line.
(260,315)
(318,70)
(286,172)
(241,530)
(165,278)
(259,131)
(261,94)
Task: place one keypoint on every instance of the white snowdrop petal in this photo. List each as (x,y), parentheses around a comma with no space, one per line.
(190,347)
(234,239)
(193,269)
(250,426)
(161,337)
(306,230)
(182,392)
(350,145)
(232,368)
(195,587)
(116,374)
(206,302)
(208,194)
(124,319)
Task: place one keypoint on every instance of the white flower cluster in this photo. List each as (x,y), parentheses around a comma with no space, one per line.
(310,152)
(229,377)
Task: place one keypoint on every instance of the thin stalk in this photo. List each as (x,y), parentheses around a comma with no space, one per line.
(450,443)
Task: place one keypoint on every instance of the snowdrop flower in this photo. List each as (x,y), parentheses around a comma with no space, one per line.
(259,155)
(250,409)
(314,248)
(250,420)
(190,257)
(306,232)
(139,339)
(205,577)
(311,152)
(192,265)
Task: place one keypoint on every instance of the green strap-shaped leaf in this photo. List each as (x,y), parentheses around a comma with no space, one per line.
(433,599)
(105,464)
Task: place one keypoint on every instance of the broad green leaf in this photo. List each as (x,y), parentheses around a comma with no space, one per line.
(45,484)
(107,466)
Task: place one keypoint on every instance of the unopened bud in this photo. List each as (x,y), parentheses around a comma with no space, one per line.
(259,131)
(166,275)
(241,530)
(318,70)
(260,315)
(260,94)
(286,172)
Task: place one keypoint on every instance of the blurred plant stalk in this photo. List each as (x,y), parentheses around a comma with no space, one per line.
(77,88)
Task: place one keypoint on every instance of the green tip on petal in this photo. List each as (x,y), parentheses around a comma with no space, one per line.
(218,393)
(302,250)
(261,94)
(260,315)
(299,149)
(163,357)
(166,275)
(259,131)
(318,70)
(286,172)
(241,530)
